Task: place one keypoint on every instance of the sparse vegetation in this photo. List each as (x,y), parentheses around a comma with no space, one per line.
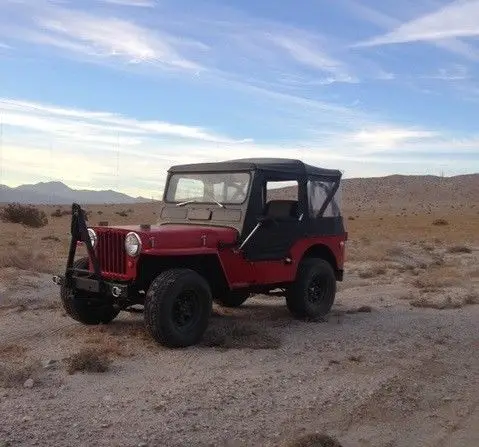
(315,440)
(14,373)
(60,213)
(236,335)
(371,272)
(88,360)
(51,238)
(459,249)
(440,222)
(24,259)
(122,213)
(435,303)
(27,215)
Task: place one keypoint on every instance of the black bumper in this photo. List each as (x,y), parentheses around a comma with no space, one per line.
(94,286)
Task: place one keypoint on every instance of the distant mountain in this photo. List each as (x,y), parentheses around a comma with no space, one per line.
(57,193)
(411,192)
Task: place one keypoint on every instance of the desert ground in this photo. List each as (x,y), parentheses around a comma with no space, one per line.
(395,363)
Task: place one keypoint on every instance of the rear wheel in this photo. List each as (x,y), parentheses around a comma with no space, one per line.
(232,298)
(77,306)
(313,292)
(178,305)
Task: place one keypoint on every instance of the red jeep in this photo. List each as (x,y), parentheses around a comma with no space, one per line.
(224,233)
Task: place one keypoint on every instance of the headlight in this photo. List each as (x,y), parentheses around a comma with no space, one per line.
(93,238)
(132,244)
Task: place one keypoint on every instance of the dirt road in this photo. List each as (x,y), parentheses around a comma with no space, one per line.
(390,374)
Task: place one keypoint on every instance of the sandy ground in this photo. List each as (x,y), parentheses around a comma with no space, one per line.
(394,364)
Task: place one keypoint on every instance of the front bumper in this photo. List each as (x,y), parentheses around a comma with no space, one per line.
(104,288)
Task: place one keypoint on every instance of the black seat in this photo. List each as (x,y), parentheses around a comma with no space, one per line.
(282,209)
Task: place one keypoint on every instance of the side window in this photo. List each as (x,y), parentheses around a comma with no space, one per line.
(318,191)
(188,188)
(283,190)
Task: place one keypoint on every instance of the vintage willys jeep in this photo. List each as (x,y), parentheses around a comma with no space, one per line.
(224,233)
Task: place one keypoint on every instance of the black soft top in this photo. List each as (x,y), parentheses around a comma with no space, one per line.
(279,165)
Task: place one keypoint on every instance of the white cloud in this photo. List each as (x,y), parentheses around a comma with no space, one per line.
(387,138)
(95,126)
(455,20)
(308,53)
(138,3)
(386,21)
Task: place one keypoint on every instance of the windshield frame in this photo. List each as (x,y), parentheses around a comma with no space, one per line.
(208,202)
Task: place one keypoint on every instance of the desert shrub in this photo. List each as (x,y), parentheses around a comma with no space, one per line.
(459,249)
(25,260)
(372,272)
(100,212)
(351,218)
(434,303)
(60,213)
(27,215)
(88,360)
(440,222)
(15,373)
(314,440)
(122,213)
(51,238)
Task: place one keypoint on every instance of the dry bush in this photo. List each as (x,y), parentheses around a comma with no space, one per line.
(440,222)
(372,272)
(459,249)
(15,373)
(108,345)
(88,360)
(51,238)
(237,335)
(472,297)
(315,440)
(26,215)
(438,278)
(122,213)
(60,213)
(434,303)
(25,260)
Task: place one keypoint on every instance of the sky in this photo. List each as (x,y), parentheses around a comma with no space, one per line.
(104,94)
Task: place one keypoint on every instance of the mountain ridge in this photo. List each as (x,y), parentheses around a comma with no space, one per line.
(463,188)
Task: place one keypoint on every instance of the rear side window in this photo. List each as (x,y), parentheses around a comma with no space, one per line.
(318,192)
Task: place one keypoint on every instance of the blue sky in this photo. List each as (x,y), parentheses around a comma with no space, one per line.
(109,93)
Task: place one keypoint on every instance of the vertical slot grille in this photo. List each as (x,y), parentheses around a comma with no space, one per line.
(111,252)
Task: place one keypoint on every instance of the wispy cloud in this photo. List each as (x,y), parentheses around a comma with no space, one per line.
(100,36)
(95,126)
(457,19)
(308,52)
(388,21)
(137,3)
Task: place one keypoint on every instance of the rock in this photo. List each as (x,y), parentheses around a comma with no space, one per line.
(28,383)
(142,444)
(26,419)
(49,364)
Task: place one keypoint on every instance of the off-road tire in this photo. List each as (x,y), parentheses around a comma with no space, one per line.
(232,298)
(82,311)
(302,302)
(165,307)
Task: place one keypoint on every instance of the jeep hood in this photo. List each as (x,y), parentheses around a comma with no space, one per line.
(177,236)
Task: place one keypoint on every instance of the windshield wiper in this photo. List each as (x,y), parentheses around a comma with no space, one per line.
(197,201)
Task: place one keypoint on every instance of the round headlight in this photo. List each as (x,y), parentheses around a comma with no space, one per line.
(132,244)
(93,237)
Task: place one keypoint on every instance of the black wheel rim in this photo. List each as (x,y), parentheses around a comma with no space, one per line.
(186,310)
(317,289)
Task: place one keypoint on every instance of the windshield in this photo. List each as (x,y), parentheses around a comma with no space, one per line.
(223,187)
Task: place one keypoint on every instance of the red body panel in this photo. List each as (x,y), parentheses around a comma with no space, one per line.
(177,240)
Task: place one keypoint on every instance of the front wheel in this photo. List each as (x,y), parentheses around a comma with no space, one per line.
(313,292)
(77,306)
(178,305)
